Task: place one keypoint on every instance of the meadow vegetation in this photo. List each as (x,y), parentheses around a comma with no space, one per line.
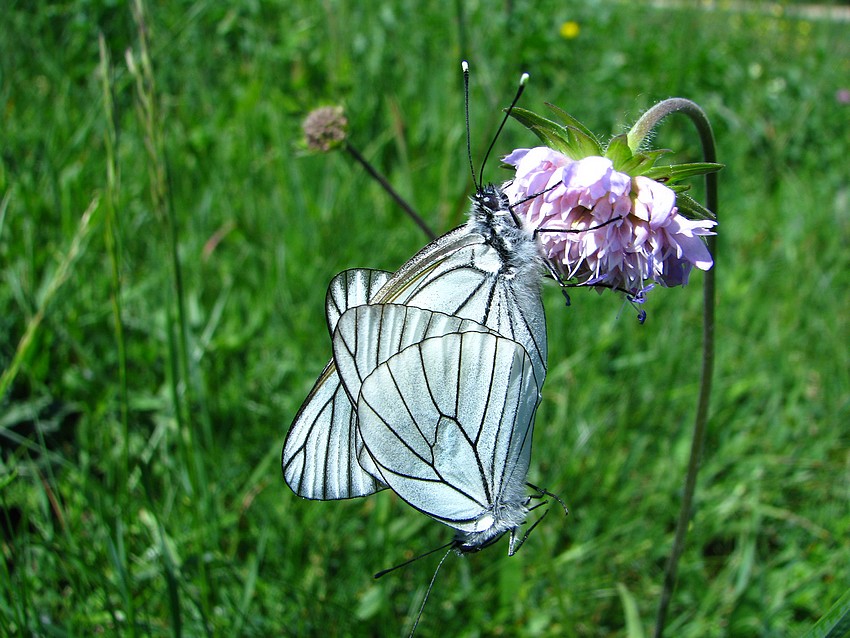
(166,242)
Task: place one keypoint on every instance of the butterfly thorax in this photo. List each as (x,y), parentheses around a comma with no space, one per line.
(493,219)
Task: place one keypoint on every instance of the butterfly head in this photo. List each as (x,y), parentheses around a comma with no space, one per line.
(493,218)
(490,201)
(492,211)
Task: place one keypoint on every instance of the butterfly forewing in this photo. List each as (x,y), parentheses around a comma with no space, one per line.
(434,440)
(350,288)
(319,456)
(468,282)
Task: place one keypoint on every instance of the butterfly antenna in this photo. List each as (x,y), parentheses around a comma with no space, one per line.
(465,66)
(523,80)
(384,572)
(430,586)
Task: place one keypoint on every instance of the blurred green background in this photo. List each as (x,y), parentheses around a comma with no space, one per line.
(156,349)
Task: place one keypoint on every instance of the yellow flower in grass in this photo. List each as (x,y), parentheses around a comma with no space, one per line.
(570,29)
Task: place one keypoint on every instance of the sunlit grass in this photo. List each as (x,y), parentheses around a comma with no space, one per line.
(161,509)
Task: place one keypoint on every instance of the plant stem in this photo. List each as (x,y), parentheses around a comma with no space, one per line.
(641,129)
(387,187)
(111,236)
(60,276)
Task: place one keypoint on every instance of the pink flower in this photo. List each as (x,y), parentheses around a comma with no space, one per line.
(603,227)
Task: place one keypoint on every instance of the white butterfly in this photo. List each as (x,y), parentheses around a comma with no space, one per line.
(487,271)
(481,278)
(435,380)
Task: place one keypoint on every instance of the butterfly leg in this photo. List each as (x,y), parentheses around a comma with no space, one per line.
(541,492)
(514,546)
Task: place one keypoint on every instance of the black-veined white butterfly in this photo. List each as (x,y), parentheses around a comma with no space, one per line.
(435,380)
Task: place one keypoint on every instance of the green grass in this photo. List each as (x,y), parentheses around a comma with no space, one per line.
(139,479)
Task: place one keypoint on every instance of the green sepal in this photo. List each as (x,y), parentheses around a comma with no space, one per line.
(571,122)
(627,161)
(641,163)
(692,209)
(587,145)
(554,140)
(677,172)
(619,153)
(541,127)
(677,188)
(572,141)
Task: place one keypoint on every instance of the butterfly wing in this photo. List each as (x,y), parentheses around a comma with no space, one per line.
(448,423)
(319,457)
(457,274)
(367,336)
(351,288)
(460,274)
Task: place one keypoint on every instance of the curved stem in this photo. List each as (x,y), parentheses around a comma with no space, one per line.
(641,129)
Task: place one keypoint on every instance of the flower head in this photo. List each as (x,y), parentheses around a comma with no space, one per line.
(325,128)
(604,227)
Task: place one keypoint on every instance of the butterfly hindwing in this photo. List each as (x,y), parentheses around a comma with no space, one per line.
(320,453)
(367,336)
(448,423)
(351,288)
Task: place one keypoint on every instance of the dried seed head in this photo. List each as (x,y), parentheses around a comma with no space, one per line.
(325,128)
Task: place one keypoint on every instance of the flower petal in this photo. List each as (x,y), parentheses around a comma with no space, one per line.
(619,231)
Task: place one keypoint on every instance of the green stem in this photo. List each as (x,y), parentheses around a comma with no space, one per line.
(111,232)
(111,238)
(835,623)
(636,136)
(60,276)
